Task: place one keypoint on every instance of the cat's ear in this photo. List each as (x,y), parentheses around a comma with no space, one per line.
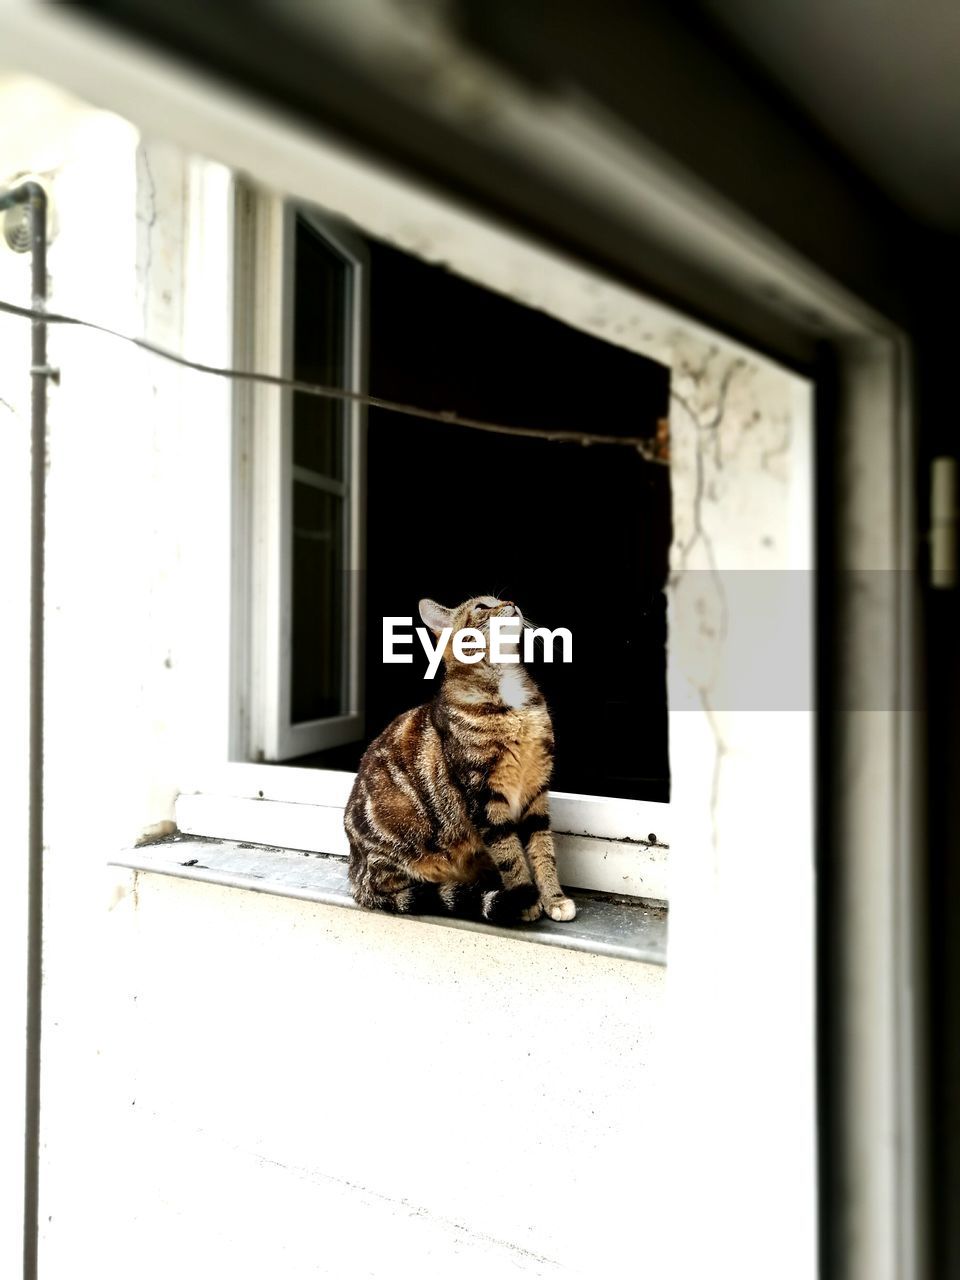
(435,615)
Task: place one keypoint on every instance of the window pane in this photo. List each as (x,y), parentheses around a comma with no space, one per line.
(319,605)
(319,352)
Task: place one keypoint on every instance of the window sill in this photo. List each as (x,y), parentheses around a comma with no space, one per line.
(617,847)
(626,928)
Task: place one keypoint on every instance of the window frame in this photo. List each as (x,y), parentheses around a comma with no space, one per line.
(602,842)
(598,842)
(275,736)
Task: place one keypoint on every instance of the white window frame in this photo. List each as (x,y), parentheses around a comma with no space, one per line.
(597,840)
(603,842)
(271,273)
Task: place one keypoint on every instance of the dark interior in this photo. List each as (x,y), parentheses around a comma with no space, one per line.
(453,513)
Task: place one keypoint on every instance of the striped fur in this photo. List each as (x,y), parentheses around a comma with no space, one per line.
(449,812)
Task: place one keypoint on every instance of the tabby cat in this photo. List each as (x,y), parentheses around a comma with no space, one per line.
(449,812)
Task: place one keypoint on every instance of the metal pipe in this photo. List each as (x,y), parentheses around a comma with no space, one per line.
(33,196)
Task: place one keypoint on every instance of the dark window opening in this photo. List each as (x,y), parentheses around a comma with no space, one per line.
(578,536)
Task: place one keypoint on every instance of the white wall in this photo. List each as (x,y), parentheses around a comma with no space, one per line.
(294,1090)
(137,579)
(206,1051)
(234,1084)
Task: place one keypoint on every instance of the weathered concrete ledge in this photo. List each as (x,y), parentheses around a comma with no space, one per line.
(627,928)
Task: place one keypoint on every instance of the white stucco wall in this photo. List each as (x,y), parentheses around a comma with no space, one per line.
(234,1084)
(295,1090)
(206,1052)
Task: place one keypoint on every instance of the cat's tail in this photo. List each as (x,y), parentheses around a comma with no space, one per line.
(478,901)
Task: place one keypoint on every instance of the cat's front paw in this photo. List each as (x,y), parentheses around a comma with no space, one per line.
(532,913)
(562,909)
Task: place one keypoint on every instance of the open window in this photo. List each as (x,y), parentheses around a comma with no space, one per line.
(452,512)
(357,514)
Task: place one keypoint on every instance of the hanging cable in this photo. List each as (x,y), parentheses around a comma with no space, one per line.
(651,449)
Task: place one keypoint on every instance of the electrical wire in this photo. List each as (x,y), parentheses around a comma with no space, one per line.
(650,449)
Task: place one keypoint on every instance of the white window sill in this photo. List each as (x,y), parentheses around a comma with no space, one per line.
(606,924)
(609,845)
